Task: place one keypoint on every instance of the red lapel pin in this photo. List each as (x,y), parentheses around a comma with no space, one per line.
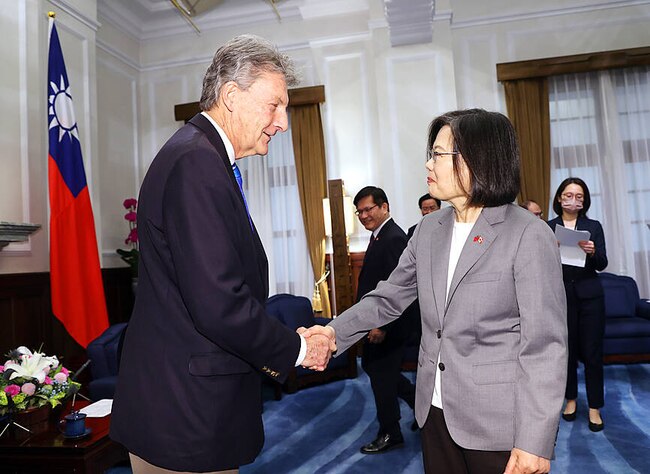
(478,239)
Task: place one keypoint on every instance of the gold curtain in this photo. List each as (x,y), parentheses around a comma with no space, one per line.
(309,150)
(527,103)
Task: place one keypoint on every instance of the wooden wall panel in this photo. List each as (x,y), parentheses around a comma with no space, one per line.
(26,317)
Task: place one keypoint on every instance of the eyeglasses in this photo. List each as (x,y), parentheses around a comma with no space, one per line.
(429,208)
(578,197)
(358,212)
(434,155)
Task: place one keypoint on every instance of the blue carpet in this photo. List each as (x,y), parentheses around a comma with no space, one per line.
(320,430)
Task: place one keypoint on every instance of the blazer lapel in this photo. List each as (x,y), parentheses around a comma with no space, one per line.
(211,133)
(478,241)
(439,247)
(214,138)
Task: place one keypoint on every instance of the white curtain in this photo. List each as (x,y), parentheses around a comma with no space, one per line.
(600,132)
(272,195)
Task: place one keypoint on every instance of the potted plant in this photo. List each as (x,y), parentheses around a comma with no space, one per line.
(131,255)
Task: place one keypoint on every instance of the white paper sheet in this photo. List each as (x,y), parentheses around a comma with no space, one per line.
(98,409)
(570,251)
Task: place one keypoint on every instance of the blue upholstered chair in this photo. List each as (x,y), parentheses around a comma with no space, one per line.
(627,320)
(294,312)
(104,354)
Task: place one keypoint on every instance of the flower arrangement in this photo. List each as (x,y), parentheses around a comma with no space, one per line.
(31,380)
(131,255)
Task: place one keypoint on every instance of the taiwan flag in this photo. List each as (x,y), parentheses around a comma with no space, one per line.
(75,277)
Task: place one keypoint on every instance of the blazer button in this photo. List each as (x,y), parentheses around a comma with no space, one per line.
(439,333)
(441,366)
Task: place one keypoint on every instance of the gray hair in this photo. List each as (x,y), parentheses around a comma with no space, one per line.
(242,60)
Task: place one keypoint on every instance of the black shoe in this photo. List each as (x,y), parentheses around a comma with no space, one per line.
(382,444)
(596,427)
(569,416)
(414,425)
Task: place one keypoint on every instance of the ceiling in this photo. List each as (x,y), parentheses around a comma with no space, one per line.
(409,21)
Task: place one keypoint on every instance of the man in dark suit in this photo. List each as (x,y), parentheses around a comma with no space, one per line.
(384,347)
(427,205)
(533,207)
(188,394)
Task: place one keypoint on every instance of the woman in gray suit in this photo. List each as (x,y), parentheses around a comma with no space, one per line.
(493,352)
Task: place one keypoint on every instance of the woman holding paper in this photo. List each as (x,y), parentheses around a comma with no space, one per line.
(585,300)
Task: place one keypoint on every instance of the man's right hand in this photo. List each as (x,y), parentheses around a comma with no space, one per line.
(321,342)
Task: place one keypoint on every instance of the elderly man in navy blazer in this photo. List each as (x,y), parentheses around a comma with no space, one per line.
(188,395)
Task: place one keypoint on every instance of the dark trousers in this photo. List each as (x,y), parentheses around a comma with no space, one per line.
(382,363)
(586,326)
(443,456)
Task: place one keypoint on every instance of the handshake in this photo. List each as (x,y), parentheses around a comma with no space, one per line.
(321,342)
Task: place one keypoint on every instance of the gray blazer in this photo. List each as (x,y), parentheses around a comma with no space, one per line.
(501,334)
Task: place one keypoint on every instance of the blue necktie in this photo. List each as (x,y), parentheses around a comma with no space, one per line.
(240,182)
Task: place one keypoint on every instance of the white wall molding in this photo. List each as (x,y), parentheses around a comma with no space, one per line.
(320,9)
(23,248)
(409,21)
(338,40)
(133,89)
(519,34)
(442,15)
(166,22)
(492,20)
(24,110)
(467,45)
(71,10)
(102,45)
(392,101)
(334,170)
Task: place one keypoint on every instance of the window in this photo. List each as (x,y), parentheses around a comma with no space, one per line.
(600,132)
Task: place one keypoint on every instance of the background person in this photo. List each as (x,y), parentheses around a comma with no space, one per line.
(427,205)
(188,395)
(585,300)
(493,352)
(384,346)
(533,207)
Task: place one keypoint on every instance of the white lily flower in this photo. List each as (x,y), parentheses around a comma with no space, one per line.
(34,366)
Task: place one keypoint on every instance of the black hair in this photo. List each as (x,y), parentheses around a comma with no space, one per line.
(586,203)
(427,196)
(487,143)
(527,203)
(378,195)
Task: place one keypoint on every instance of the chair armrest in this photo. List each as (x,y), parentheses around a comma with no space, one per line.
(643,309)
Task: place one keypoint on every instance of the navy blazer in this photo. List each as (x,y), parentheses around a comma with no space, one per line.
(585,280)
(188,395)
(379,261)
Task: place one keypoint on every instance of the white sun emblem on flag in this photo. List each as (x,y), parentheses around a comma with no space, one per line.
(61,110)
